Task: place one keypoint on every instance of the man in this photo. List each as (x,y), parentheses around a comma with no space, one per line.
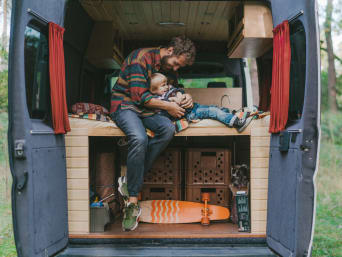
(133,108)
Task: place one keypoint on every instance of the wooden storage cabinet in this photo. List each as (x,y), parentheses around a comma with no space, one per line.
(105,48)
(77,161)
(77,154)
(250,31)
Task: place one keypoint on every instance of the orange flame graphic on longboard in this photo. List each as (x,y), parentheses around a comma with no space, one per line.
(172,211)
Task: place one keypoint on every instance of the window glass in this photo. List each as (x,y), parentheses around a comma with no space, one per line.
(37,72)
(297,70)
(207,82)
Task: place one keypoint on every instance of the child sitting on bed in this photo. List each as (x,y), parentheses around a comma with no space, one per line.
(159,86)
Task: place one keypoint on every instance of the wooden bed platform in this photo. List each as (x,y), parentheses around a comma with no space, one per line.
(77,153)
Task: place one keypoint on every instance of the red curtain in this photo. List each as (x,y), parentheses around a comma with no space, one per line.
(280,88)
(60,118)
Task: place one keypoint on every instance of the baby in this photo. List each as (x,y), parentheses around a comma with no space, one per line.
(159,87)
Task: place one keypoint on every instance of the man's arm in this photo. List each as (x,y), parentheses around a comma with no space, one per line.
(172,108)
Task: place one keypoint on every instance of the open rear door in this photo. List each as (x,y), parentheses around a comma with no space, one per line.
(291,191)
(37,155)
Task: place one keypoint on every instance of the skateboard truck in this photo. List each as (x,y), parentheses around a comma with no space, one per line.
(205,211)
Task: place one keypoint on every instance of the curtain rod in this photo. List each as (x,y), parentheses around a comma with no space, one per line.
(38,16)
(296,16)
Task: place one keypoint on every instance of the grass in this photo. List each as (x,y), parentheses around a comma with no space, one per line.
(7,247)
(328,228)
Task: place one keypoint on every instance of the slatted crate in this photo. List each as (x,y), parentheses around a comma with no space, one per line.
(208,166)
(161,192)
(166,170)
(219,195)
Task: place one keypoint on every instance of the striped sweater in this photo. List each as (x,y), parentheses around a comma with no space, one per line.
(131,90)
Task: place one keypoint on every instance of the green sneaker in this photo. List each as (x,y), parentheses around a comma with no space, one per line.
(123,188)
(132,213)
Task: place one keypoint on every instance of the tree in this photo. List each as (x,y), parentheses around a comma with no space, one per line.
(331,59)
(4,24)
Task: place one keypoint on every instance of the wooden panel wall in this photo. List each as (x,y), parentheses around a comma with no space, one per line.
(204,20)
(77,159)
(260,148)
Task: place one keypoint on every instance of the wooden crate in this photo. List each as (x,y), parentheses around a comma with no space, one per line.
(166,170)
(208,166)
(161,192)
(219,195)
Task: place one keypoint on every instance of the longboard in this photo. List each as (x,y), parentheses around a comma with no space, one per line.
(172,211)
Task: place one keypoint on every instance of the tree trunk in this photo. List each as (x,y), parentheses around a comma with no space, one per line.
(4,24)
(331,59)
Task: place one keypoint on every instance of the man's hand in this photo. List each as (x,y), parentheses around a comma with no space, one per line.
(175,110)
(187,101)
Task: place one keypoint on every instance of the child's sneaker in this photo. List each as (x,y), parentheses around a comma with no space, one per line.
(132,212)
(243,122)
(123,188)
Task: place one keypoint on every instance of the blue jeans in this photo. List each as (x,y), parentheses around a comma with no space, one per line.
(211,112)
(142,150)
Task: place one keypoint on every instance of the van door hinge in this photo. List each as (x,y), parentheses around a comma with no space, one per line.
(19,149)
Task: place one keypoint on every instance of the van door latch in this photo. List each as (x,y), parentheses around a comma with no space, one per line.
(21,181)
(19,149)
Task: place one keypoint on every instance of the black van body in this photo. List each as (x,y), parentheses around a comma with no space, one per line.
(38,166)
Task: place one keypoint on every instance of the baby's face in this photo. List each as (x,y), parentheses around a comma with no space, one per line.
(162,88)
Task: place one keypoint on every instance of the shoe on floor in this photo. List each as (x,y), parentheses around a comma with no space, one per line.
(132,212)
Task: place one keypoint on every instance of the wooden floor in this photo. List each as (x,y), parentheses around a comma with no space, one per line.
(145,230)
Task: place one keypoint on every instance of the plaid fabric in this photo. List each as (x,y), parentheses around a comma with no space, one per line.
(131,90)
(98,117)
(84,108)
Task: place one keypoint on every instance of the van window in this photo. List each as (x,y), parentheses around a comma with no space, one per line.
(297,70)
(225,82)
(36,51)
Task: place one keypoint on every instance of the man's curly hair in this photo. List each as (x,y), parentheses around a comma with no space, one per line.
(183,46)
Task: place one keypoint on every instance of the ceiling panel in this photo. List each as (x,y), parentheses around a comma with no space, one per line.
(140,20)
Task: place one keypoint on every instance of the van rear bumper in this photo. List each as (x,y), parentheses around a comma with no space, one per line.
(156,247)
(179,251)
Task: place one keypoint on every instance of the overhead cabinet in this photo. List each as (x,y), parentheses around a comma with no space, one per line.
(105,46)
(250,31)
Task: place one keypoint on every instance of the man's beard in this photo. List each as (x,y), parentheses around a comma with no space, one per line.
(164,63)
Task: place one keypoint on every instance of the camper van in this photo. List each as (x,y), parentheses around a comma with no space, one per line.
(56,177)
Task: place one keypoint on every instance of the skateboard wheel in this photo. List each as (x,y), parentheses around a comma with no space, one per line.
(205,221)
(205,196)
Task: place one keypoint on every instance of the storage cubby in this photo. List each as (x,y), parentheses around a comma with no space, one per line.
(250,31)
